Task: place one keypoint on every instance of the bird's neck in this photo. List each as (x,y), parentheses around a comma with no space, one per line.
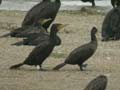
(93,38)
(53,38)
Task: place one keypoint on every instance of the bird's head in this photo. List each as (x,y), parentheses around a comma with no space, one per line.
(94,30)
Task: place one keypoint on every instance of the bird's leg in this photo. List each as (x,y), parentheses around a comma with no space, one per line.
(41,69)
(93,3)
(84,65)
(117,36)
(81,68)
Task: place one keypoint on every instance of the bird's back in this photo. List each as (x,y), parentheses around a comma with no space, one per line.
(45,9)
(39,54)
(81,54)
(31,31)
(36,39)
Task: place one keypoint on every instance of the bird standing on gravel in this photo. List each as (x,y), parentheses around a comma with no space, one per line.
(79,55)
(27,31)
(43,50)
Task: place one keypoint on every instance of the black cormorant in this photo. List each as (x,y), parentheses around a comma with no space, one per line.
(99,83)
(45,9)
(92,1)
(39,39)
(111,25)
(42,51)
(34,37)
(115,3)
(27,31)
(79,55)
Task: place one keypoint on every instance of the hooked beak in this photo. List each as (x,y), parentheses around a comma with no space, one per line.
(60,26)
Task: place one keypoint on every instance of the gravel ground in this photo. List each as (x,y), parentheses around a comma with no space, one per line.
(105,60)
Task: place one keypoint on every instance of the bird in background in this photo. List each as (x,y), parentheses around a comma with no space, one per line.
(31,31)
(111,25)
(45,9)
(35,39)
(115,3)
(27,31)
(91,1)
(99,83)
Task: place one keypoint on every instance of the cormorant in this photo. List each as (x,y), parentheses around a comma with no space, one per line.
(37,38)
(34,37)
(45,9)
(27,31)
(79,55)
(99,83)
(115,3)
(92,1)
(43,50)
(36,41)
(111,25)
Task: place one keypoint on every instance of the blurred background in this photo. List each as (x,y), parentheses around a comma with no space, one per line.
(25,5)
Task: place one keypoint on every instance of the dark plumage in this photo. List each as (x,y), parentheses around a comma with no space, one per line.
(99,83)
(0,1)
(42,51)
(34,37)
(45,9)
(79,55)
(111,25)
(37,38)
(30,37)
(92,1)
(115,3)
(28,31)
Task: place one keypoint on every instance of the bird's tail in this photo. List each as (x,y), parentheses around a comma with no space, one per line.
(16,66)
(59,66)
(5,35)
